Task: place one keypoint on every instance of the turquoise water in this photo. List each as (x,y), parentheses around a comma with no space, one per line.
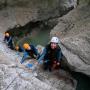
(41,38)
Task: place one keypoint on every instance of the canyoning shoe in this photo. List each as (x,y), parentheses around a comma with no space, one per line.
(22,61)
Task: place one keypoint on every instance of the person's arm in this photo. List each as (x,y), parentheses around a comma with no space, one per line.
(35,51)
(5,40)
(42,56)
(59,55)
(9,39)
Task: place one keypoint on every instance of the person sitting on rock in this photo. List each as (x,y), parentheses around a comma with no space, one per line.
(8,40)
(51,55)
(29,50)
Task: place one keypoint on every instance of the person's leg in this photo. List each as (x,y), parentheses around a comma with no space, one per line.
(46,64)
(50,66)
(35,51)
(10,44)
(25,55)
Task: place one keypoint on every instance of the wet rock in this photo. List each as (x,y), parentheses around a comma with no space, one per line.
(73,31)
(21,12)
(58,79)
(12,81)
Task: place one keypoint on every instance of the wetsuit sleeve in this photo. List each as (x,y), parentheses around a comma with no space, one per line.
(35,50)
(9,39)
(59,55)
(42,55)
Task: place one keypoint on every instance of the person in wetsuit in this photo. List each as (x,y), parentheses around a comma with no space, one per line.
(51,55)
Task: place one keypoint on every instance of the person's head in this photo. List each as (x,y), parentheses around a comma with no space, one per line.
(26,46)
(54,42)
(7,34)
(17,47)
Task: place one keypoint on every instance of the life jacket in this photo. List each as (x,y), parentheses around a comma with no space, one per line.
(51,54)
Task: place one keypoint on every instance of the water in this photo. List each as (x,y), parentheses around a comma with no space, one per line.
(41,39)
(83,81)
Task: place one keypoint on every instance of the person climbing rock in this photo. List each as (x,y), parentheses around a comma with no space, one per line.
(51,55)
(29,50)
(18,48)
(8,40)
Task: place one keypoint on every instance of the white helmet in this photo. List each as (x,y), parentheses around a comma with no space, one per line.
(55,40)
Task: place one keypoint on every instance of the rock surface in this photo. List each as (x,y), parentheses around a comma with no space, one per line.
(21,12)
(74,31)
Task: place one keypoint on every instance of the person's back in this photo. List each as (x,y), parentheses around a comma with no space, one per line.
(31,51)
